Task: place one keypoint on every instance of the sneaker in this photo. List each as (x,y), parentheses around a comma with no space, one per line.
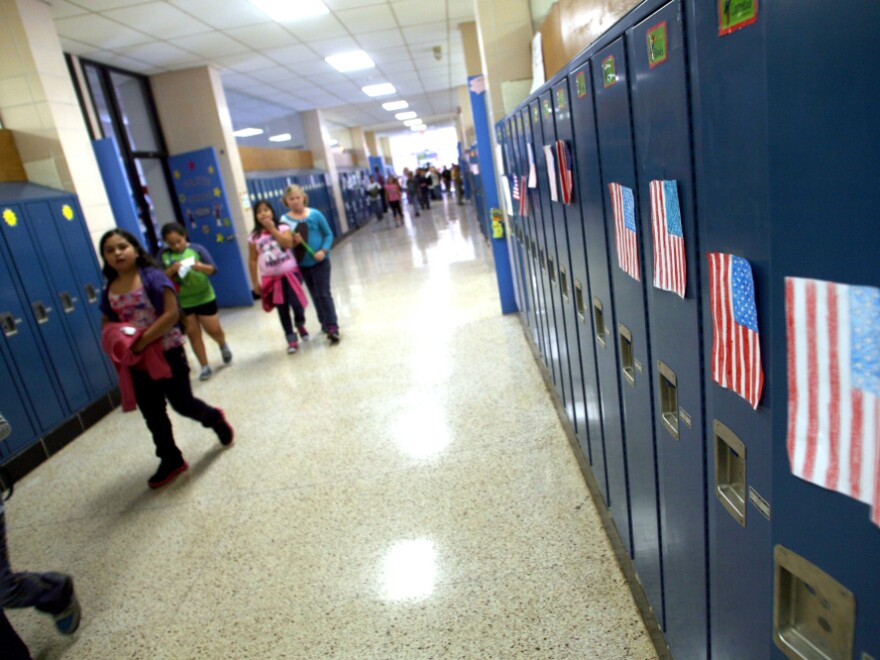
(205,373)
(292,348)
(67,620)
(224,431)
(303,333)
(166,473)
(333,334)
(226,353)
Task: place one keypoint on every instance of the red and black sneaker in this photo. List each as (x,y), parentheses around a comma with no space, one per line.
(224,430)
(167,472)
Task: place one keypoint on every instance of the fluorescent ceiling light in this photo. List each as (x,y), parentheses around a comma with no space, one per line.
(417,127)
(247,132)
(281,137)
(395,105)
(406,115)
(351,61)
(382,89)
(413,122)
(285,10)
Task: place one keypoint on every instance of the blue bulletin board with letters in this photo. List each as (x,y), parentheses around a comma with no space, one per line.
(204,207)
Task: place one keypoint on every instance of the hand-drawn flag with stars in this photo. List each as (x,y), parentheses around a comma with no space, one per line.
(834,387)
(670,265)
(563,155)
(625,234)
(736,352)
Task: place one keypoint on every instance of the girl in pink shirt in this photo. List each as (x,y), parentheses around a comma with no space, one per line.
(392,194)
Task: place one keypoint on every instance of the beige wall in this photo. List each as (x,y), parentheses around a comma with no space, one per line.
(39,105)
(317,142)
(184,100)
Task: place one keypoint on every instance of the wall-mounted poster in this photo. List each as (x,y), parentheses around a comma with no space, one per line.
(734,15)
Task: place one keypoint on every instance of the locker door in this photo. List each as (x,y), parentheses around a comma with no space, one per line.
(554,230)
(545,309)
(16,411)
(590,430)
(661,122)
(46,314)
(636,383)
(601,304)
(56,228)
(509,165)
(528,238)
(25,355)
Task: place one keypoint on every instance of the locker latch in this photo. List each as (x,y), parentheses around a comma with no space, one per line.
(563,282)
(601,330)
(551,265)
(41,312)
(91,293)
(7,322)
(627,362)
(579,301)
(66,302)
(730,472)
(668,398)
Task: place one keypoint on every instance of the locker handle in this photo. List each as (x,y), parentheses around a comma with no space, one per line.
(668,398)
(579,301)
(563,283)
(627,364)
(541,258)
(601,330)
(730,472)
(41,312)
(7,322)
(551,267)
(91,293)
(66,302)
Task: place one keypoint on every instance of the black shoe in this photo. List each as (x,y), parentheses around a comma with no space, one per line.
(224,430)
(333,334)
(166,473)
(67,620)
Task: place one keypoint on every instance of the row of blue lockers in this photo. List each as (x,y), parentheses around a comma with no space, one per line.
(51,360)
(315,183)
(353,184)
(664,185)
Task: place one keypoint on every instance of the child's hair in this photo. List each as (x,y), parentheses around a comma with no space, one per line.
(143,259)
(258,228)
(294,188)
(173,228)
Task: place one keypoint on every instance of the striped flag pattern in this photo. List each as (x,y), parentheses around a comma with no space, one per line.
(834,387)
(670,264)
(523,198)
(516,191)
(563,155)
(625,229)
(736,351)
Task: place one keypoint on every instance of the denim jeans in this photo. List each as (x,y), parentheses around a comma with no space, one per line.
(317,279)
(299,314)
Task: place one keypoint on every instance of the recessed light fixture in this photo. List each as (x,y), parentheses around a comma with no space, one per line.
(406,115)
(413,122)
(281,137)
(284,10)
(382,89)
(395,105)
(354,60)
(247,132)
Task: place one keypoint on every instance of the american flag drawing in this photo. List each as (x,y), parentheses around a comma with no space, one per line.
(625,229)
(523,197)
(670,264)
(516,191)
(736,352)
(834,387)
(563,155)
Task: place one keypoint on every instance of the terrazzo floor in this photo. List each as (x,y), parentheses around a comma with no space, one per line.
(409,493)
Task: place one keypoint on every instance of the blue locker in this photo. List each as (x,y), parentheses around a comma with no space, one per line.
(14,408)
(661,123)
(56,226)
(590,428)
(557,258)
(543,305)
(502,134)
(592,196)
(538,197)
(824,166)
(44,309)
(729,101)
(628,294)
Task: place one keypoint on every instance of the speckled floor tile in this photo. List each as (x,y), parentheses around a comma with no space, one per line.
(409,493)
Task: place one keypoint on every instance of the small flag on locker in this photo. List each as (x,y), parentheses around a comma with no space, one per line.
(523,198)
(670,264)
(516,190)
(563,154)
(736,351)
(834,387)
(533,173)
(626,238)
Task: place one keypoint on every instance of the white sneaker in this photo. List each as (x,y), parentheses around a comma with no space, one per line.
(226,353)
(205,373)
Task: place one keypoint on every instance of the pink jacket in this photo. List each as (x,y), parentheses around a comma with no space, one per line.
(272,290)
(117,340)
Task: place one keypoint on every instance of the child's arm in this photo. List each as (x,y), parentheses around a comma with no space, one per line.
(252,266)
(172,269)
(205,264)
(285,239)
(161,325)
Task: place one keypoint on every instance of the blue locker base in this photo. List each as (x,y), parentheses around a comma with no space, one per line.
(62,435)
(620,550)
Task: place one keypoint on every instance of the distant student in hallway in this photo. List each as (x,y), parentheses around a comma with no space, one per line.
(315,265)
(393,193)
(140,328)
(374,195)
(189,265)
(275,275)
(412,190)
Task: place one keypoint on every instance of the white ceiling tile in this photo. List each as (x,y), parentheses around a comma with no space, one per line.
(121,61)
(249,61)
(264,35)
(163,55)
(224,14)
(289,55)
(209,44)
(383,39)
(367,19)
(104,5)
(461,9)
(76,48)
(99,31)
(414,12)
(312,68)
(61,9)
(272,74)
(426,36)
(327,47)
(316,27)
(158,19)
